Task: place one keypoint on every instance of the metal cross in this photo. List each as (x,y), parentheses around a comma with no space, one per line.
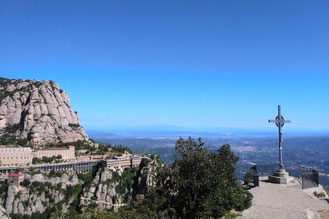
(279,121)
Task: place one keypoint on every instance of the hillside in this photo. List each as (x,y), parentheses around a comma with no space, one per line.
(37,112)
(45,194)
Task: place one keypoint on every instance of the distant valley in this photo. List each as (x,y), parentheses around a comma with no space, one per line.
(308,151)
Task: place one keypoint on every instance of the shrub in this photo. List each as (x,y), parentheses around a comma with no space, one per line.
(249,177)
(26,182)
(319,195)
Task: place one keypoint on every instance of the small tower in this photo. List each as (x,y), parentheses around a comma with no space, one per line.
(15,179)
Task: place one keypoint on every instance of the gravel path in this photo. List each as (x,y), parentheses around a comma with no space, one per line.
(274,201)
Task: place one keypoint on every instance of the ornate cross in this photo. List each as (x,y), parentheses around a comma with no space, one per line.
(279,121)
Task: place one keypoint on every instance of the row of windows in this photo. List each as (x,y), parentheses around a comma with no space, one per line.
(14,149)
(4,158)
(20,154)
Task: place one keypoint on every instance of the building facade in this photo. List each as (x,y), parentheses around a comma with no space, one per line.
(125,161)
(67,153)
(22,156)
(15,156)
(136,160)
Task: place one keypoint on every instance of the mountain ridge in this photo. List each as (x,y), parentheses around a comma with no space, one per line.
(38,112)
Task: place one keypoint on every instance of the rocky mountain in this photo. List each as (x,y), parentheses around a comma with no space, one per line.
(39,112)
(69,192)
(39,193)
(111,189)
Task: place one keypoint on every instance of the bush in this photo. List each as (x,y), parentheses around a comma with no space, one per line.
(26,182)
(249,177)
(319,195)
(201,183)
(36,160)
(3,188)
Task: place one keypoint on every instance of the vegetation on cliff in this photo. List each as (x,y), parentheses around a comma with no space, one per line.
(199,184)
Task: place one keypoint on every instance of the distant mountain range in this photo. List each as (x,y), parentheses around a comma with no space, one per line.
(220,133)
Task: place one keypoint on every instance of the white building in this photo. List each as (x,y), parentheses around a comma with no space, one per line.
(15,156)
(125,161)
(67,153)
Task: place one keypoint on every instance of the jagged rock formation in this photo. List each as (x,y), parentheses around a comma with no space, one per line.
(3,213)
(42,193)
(146,175)
(109,189)
(104,188)
(38,111)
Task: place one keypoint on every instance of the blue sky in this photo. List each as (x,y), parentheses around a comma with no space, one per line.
(190,63)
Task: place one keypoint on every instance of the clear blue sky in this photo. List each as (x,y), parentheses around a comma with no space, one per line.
(182,63)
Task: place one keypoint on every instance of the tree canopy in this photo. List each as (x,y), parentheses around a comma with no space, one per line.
(201,183)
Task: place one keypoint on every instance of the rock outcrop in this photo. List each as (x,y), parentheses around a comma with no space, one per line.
(41,194)
(108,190)
(111,189)
(105,188)
(38,111)
(146,175)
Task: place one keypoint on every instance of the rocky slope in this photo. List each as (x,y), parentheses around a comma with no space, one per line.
(146,175)
(104,188)
(111,189)
(39,195)
(38,111)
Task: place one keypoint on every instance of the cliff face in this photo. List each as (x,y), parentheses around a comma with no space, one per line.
(64,192)
(111,189)
(104,191)
(38,111)
(146,175)
(41,193)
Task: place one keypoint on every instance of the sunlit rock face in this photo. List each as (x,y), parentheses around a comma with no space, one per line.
(38,111)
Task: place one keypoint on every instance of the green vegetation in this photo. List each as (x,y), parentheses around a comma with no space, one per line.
(8,138)
(54,173)
(87,178)
(72,191)
(199,184)
(53,159)
(37,215)
(4,82)
(71,196)
(119,149)
(26,182)
(74,126)
(319,195)
(13,128)
(3,189)
(81,145)
(204,183)
(38,187)
(18,195)
(125,183)
(249,177)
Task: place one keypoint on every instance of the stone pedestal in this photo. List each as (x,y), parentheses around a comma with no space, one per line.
(281,177)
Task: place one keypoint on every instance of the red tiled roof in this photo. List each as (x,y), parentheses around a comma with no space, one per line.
(15,174)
